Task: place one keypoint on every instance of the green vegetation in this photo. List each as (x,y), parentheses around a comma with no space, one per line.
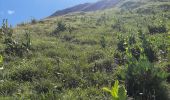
(74,56)
(117,92)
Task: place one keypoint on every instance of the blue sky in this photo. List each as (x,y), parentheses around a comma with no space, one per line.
(17,11)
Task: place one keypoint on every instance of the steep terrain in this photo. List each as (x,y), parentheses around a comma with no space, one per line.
(87,7)
(72,57)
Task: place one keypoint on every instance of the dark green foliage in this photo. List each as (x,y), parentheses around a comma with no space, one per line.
(136,52)
(146,79)
(13,47)
(122,44)
(132,39)
(43,86)
(68,37)
(95,56)
(119,58)
(70,29)
(8,88)
(61,26)
(101,20)
(149,50)
(71,81)
(103,42)
(159,29)
(25,75)
(103,66)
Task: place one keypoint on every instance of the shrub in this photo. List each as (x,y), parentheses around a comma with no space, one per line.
(8,88)
(95,56)
(136,52)
(61,26)
(44,86)
(103,65)
(71,81)
(68,37)
(13,47)
(25,74)
(145,80)
(103,42)
(122,44)
(149,50)
(157,29)
(119,58)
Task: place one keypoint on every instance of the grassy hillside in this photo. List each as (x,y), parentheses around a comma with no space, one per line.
(73,57)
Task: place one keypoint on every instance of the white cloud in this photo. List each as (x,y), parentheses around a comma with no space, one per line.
(10,12)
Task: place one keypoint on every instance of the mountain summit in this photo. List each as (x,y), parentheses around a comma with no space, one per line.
(100,5)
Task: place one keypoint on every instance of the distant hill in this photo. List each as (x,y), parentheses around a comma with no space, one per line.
(100,5)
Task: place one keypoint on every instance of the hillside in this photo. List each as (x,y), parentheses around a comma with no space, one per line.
(72,57)
(87,7)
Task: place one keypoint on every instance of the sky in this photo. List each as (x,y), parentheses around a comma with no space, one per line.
(17,11)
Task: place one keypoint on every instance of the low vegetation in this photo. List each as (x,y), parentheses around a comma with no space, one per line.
(74,56)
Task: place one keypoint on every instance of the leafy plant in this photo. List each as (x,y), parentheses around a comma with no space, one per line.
(103,42)
(61,26)
(13,47)
(118,92)
(143,77)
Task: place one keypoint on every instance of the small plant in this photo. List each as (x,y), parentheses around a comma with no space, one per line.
(61,26)
(13,47)
(144,78)
(122,43)
(157,29)
(70,29)
(27,43)
(103,42)
(118,92)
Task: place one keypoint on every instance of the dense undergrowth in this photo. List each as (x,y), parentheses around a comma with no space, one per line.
(73,57)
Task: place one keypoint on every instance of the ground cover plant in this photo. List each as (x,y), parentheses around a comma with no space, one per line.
(73,57)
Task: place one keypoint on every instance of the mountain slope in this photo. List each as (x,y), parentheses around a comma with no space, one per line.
(100,5)
(73,57)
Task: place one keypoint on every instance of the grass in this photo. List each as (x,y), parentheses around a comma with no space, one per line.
(73,66)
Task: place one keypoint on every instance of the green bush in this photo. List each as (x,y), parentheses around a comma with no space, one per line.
(26,74)
(103,65)
(8,88)
(144,80)
(157,29)
(96,55)
(43,86)
(61,26)
(103,42)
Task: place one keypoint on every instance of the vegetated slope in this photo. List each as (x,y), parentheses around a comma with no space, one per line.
(87,7)
(73,56)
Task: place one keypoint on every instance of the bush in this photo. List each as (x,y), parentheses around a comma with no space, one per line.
(13,47)
(157,29)
(44,86)
(8,88)
(95,56)
(119,58)
(103,42)
(145,80)
(25,74)
(60,28)
(103,66)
